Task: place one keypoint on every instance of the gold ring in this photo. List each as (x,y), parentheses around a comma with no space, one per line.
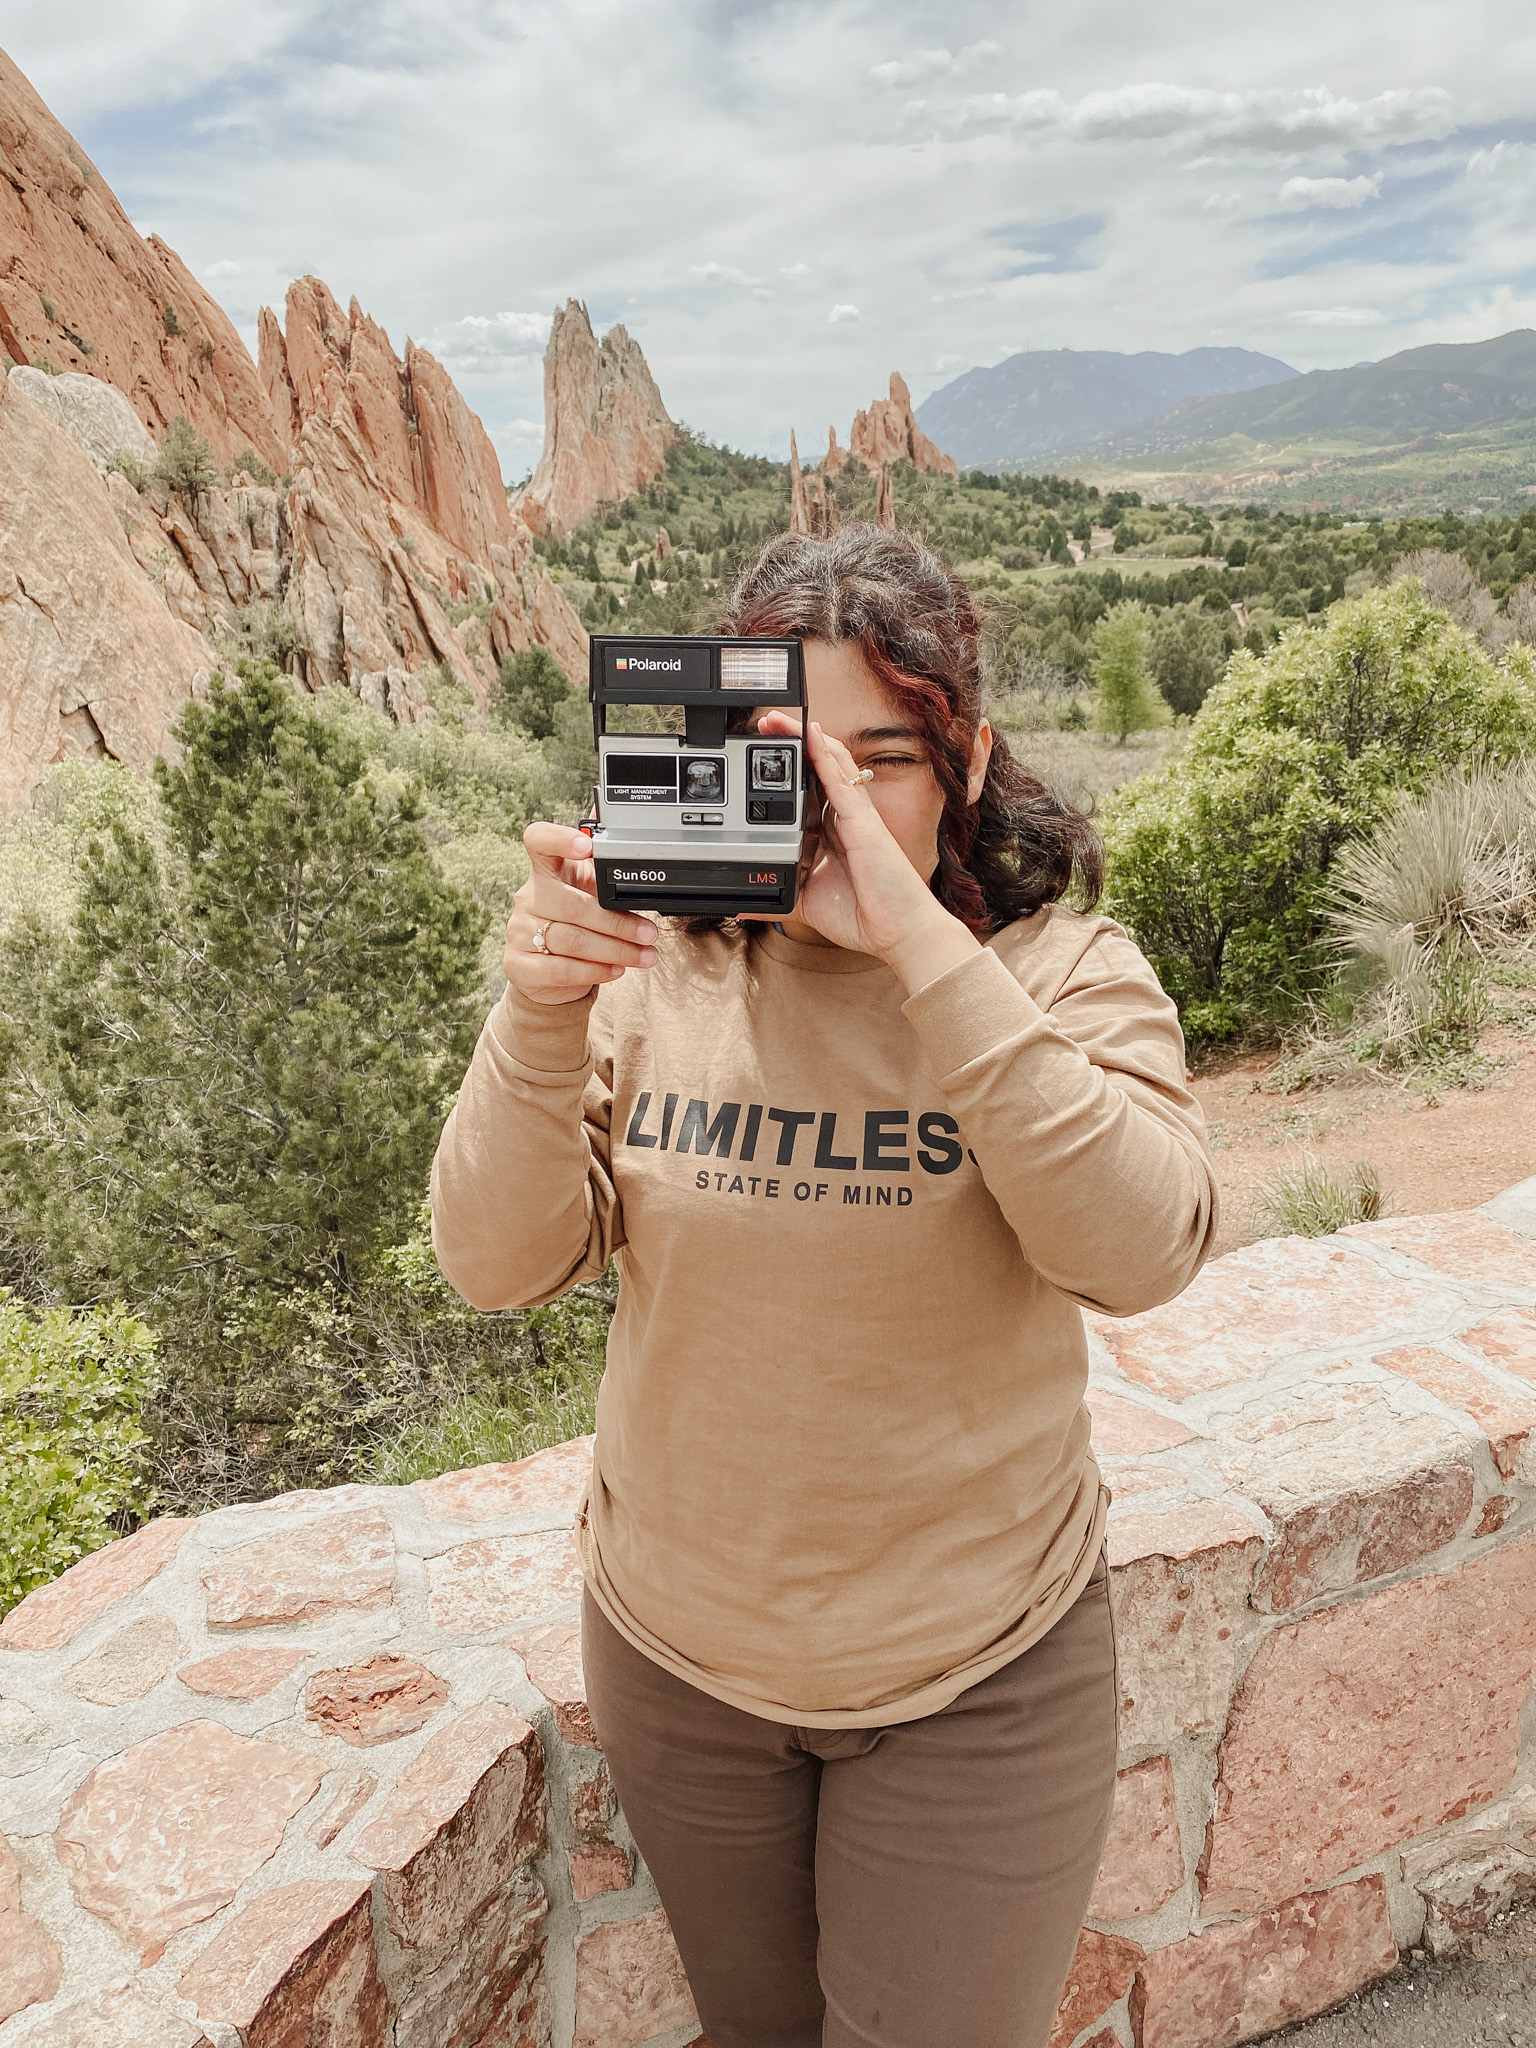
(540,944)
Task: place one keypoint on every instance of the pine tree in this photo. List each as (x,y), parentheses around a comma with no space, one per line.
(252,1027)
(1128,700)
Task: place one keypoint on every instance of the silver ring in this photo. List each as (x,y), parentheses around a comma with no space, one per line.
(539,943)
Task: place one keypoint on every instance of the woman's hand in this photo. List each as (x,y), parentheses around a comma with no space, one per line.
(583,944)
(863,892)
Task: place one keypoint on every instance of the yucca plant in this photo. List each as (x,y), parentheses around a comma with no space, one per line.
(1310,1201)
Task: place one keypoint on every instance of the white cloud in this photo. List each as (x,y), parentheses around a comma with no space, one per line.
(488,343)
(1223,202)
(840,313)
(721,273)
(794,270)
(1336,316)
(924,64)
(1304,192)
(223,268)
(1267,119)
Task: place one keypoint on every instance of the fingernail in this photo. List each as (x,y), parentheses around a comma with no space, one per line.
(647,956)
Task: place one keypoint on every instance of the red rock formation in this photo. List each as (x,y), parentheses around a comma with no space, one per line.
(889,433)
(91,660)
(799,504)
(397,508)
(885,508)
(606,431)
(80,289)
(835,457)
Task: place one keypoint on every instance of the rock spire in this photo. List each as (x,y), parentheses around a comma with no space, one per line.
(888,433)
(606,430)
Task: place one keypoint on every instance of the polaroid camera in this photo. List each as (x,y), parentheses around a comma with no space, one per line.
(695,815)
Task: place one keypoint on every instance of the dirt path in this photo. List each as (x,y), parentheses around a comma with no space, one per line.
(1485,1998)
(1432,1151)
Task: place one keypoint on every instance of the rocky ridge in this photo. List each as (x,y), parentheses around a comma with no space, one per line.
(80,289)
(606,430)
(353,523)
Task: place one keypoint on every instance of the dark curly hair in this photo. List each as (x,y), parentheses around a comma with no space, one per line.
(1019,845)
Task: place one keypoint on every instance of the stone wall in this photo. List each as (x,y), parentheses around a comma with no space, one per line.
(320,1770)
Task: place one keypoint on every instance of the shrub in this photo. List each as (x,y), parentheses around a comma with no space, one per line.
(186,460)
(1218,863)
(1309,1201)
(73,1383)
(252,465)
(528,692)
(130,465)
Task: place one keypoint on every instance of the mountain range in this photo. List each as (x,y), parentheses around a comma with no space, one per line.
(1048,399)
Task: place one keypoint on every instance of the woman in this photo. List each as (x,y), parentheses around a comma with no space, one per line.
(846,1625)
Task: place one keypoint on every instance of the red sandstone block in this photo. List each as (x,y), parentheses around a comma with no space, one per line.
(1252,1307)
(1143,1861)
(296,1966)
(598,1867)
(1249,1977)
(1468,1878)
(1369,1723)
(1181,1582)
(465,1812)
(593,1804)
(129,1664)
(489,1987)
(1503,1418)
(374,1702)
(1463,1243)
(1121,1425)
(164,1834)
(1103,1970)
(554,1665)
(1508,1340)
(48,1618)
(352,1794)
(343,1561)
(477,1588)
(243,1674)
(1353,1490)
(550,1483)
(114,2018)
(31,1967)
(630,1984)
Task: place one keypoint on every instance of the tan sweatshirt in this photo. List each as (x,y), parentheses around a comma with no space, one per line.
(842,1468)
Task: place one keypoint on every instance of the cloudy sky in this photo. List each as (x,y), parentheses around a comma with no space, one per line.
(785,201)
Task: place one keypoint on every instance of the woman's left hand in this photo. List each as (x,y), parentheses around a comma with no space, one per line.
(862,892)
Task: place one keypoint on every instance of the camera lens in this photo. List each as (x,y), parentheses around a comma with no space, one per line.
(773,768)
(704,780)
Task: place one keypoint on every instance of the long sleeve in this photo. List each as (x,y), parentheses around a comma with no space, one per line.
(1079,1119)
(523,1204)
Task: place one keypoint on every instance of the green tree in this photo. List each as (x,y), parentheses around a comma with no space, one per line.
(185,462)
(1218,863)
(250,1028)
(1127,698)
(529,691)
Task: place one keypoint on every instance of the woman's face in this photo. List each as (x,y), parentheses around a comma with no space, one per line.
(847,701)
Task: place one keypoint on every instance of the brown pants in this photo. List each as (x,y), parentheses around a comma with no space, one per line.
(917,1886)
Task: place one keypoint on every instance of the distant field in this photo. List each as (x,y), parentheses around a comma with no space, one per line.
(1491,467)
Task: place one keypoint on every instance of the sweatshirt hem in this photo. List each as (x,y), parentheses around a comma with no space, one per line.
(930,1698)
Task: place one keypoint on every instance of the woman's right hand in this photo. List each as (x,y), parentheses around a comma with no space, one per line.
(584,945)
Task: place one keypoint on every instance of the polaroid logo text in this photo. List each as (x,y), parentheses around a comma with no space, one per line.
(669,665)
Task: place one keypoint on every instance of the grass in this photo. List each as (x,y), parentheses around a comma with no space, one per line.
(538,1409)
(1310,1201)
